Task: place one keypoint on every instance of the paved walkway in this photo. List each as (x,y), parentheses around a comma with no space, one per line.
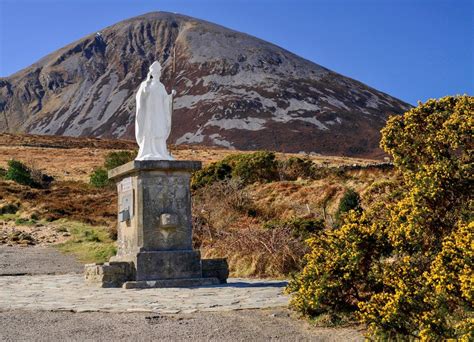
(69,292)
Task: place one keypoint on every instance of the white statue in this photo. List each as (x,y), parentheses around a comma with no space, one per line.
(153,117)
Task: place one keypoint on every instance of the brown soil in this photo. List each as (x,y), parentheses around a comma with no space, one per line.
(36,234)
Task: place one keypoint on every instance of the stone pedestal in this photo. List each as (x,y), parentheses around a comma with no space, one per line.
(154,233)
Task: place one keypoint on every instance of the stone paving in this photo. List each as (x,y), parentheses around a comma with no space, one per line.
(69,292)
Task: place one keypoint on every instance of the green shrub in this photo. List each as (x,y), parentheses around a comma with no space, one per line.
(9,208)
(22,174)
(115,159)
(24,222)
(214,172)
(19,173)
(338,272)
(350,201)
(99,178)
(295,167)
(247,168)
(255,167)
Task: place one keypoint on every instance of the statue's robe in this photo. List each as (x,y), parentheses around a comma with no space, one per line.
(153,120)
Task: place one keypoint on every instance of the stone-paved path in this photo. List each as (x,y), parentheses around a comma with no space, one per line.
(48,300)
(69,292)
(34,279)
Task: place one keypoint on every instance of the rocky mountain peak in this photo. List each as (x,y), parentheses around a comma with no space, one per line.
(234,90)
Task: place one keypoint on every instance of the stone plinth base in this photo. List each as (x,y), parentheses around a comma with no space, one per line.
(110,274)
(162,269)
(153,265)
(190,282)
(154,230)
(215,268)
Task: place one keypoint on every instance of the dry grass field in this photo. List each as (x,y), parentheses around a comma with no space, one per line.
(73,159)
(229,221)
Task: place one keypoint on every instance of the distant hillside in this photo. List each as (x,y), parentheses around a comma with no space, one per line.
(234,91)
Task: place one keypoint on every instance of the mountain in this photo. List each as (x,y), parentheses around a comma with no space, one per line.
(234,90)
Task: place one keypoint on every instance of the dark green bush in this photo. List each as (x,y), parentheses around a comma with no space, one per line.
(248,168)
(99,178)
(215,172)
(9,208)
(295,167)
(20,173)
(261,166)
(300,227)
(25,222)
(114,159)
(350,201)
(255,167)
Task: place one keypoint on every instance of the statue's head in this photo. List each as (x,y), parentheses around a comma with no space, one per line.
(155,70)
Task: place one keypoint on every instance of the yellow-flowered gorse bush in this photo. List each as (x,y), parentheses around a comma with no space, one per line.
(405,268)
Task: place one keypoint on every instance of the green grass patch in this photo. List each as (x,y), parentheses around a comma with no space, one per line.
(88,243)
(25,222)
(8,217)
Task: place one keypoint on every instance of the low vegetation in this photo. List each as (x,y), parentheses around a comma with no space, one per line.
(260,224)
(26,175)
(99,177)
(75,201)
(9,208)
(88,243)
(350,201)
(117,158)
(260,167)
(404,265)
(391,248)
(3,173)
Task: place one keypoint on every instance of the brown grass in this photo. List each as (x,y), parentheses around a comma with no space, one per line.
(66,199)
(73,159)
(228,218)
(226,224)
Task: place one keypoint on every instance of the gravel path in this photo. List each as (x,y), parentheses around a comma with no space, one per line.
(36,260)
(242,325)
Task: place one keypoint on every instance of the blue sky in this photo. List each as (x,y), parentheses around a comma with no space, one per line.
(411,49)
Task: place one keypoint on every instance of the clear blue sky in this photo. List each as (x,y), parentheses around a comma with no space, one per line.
(411,49)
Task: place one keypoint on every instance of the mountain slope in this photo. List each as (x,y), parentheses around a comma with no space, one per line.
(234,90)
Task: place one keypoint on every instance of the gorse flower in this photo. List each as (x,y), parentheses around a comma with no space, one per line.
(405,268)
